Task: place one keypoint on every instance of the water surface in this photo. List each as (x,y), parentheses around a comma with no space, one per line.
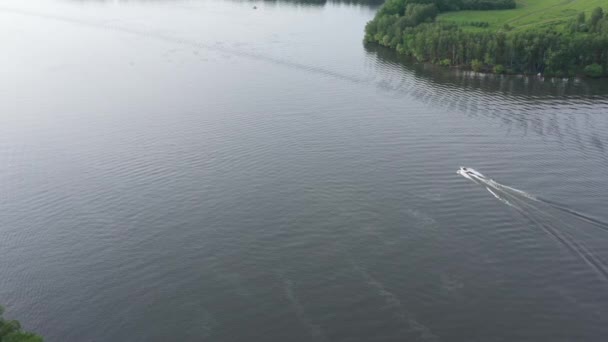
(200,170)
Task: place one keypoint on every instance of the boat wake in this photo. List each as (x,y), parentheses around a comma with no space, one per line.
(536,210)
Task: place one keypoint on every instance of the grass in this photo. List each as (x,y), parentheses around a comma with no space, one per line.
(528,14)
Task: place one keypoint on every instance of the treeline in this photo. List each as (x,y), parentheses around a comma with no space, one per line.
(398,7)
(451,5)
(483,5)
(581,49)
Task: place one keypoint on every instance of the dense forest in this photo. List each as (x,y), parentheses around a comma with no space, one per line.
(565,46)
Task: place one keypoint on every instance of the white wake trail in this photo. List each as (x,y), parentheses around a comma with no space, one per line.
(520,192)
(525,204)
(564,239)
(505,201)
(479,178)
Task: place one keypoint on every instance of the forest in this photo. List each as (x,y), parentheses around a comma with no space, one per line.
(500,36)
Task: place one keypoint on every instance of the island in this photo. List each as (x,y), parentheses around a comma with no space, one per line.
(558,38)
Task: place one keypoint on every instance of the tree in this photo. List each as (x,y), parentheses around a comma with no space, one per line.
(10,331)
(596,16)
(499,69)
(581,18)
(594,70)
(476,65)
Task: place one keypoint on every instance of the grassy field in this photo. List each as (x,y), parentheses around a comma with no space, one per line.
(528,14)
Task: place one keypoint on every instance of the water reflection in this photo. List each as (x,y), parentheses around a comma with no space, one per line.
(517,85)
(568,110)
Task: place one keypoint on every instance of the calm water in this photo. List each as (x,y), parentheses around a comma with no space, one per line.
(202,171)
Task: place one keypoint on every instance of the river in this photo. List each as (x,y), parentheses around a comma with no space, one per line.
(205,171)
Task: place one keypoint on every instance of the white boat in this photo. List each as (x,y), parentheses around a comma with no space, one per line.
(470,173)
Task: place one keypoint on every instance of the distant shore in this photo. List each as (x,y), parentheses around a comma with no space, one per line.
(547,38)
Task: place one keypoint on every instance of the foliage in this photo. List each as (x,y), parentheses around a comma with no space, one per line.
(596,17)
(479,23)
(594,70)
(457,5)
(499,69)
(476,65)
(10,331)
(578,45)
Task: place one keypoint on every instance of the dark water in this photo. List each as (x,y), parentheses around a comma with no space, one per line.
(203,171)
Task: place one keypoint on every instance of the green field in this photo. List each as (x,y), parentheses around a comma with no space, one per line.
(528,14)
